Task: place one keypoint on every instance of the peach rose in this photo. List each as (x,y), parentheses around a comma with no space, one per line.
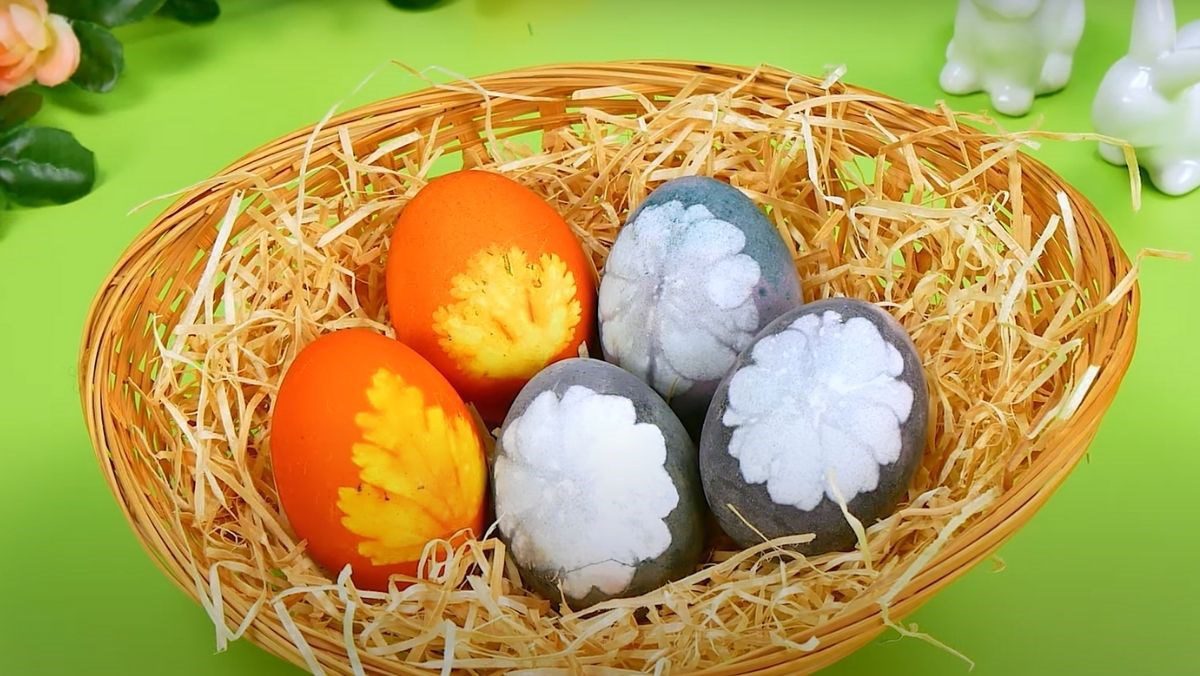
(34,45)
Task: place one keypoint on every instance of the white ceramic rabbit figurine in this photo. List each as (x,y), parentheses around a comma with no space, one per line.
(1151,98)
(1012,49)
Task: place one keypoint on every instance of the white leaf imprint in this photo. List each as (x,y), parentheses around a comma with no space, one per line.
(824,393)
(677,301)
(581,489)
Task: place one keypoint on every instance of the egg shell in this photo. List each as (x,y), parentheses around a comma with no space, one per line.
(596,486)
(373,454)
(696,272)
(820,367)
(488,282)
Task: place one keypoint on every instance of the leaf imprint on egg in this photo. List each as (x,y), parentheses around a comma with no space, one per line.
(511,314)
(583,491)
(406,447)
(826,393)
(677,301)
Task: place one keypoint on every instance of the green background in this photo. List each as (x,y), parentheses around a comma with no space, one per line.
(1102,580)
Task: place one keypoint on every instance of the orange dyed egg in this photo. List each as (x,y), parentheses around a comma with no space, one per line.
(487,282)
(374,455)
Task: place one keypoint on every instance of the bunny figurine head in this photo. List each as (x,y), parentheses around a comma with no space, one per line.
(1151,98)
(1012,49)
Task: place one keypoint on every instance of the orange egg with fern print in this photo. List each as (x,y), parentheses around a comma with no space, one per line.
(487,281)
(374,455)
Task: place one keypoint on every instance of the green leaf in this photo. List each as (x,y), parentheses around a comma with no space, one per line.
(18,107)
(413,4)
(191,11)
(106,12)
(42,164)
(101,60)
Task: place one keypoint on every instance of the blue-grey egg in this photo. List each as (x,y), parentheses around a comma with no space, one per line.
(692,277)
(596,486)
(828,406)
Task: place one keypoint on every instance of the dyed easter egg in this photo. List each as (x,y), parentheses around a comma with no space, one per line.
(696,272)
(596,486)
(374,455)
(487,282)
(828,400)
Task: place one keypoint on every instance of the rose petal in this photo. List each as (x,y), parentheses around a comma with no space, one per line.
(60,62)
(9,38)
(9,85)
(9,57)
(30,25)
(20,69)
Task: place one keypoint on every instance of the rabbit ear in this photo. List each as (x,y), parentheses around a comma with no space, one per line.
(1153,31)
(1177,71)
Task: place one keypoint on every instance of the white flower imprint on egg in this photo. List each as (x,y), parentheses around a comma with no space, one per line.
(823,398)
(677,302)
(582,490)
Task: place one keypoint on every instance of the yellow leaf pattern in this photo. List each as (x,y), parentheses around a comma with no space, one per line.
(422,473)
(512,314)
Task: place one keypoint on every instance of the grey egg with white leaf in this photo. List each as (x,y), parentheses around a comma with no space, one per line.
(828,407)
(696,272)
(596,486)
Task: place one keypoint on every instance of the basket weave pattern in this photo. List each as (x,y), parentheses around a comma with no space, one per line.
(148,293)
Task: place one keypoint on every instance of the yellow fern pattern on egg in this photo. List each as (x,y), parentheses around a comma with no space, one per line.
(422,474)
(512,314)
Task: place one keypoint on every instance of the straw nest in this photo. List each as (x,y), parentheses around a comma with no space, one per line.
(1014,290)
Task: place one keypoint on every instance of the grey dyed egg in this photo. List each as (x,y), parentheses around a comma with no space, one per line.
(829,400)
(692,277)
(596,486)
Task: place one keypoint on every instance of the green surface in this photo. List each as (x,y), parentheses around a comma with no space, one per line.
(1102,580)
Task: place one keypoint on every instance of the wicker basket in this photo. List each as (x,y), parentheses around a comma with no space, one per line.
(133,440)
